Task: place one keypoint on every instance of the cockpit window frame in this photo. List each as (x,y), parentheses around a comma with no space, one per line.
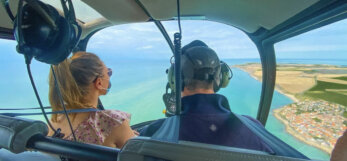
(265,40)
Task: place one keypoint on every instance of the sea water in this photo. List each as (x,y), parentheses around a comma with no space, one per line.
(138,86)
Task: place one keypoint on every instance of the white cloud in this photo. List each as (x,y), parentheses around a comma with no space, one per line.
(118,32)
(145,47)
(227,41)
(143,27)
(307,48)
(156,39)
(102,36)
(96,45)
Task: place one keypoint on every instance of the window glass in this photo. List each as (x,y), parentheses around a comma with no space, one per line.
(16,90)
(139,56)
(312,74)
(236,49)
(83,12)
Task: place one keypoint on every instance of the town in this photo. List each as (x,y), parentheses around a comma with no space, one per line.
(318,123)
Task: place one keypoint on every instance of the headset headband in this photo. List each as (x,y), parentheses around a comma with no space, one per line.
(221,72)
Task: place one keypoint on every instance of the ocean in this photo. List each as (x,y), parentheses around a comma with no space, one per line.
(138,86)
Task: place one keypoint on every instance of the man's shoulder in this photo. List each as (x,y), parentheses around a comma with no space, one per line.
(151,128)
(252,119)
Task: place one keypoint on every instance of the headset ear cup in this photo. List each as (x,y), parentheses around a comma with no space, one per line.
(45,42)
(182,81)
(171,78)
(62,47)
(216,87)
(225,75)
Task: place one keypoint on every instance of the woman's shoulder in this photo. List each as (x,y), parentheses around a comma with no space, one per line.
(114,114)
(109,116)
(99,125)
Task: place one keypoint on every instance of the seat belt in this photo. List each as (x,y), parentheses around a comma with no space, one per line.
(278,146)
(54,112)
(169,130)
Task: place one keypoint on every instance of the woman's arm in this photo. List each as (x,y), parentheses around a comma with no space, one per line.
(119,135)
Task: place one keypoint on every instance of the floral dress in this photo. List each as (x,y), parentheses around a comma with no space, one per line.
(98,126)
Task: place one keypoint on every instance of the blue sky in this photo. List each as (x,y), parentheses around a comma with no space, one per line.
(143,40)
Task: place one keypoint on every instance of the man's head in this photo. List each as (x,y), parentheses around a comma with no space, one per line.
(200,68)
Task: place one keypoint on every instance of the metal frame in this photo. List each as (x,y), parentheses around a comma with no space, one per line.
(176,50)
(72,149)
(159,25)
(323,13)
(268,62)
(6,33)
(165,34)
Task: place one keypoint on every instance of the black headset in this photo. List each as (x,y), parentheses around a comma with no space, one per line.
(220,81)
(224,77)
(44,34)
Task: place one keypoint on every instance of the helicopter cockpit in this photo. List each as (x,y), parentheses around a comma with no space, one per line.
(49,31)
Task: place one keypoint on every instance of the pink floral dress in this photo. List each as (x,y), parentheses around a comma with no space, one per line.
(98,126)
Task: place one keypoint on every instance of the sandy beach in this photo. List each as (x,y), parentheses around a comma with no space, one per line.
(292,97)
(288,76)
(277,88)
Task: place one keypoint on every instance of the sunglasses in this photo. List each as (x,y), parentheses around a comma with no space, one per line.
(109,72)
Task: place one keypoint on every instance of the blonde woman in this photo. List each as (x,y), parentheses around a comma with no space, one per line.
(82,79)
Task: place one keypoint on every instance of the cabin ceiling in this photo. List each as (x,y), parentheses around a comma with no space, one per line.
(247,15)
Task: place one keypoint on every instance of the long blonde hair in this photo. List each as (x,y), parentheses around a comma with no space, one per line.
(74,76)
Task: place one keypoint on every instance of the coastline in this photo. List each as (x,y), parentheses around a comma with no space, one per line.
(276,114)
(292,97)
(254,77)
(295,134)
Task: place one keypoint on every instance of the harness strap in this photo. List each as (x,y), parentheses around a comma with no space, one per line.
(169,130)
(33,108)
(54,112)
(277,145)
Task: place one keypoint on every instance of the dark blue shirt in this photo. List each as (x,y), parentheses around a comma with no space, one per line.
(207,118)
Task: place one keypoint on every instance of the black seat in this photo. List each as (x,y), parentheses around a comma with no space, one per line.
(145,149)
(170,132)
(6,155)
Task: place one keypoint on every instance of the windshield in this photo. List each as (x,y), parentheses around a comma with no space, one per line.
(139,57)
(312,73)
(16,90)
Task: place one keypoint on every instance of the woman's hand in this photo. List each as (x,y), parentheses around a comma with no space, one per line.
(136,133)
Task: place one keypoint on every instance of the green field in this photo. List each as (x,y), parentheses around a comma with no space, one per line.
(341,78)
(317,119)
(320,91)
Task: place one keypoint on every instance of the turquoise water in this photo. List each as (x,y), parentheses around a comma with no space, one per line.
(138,86)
